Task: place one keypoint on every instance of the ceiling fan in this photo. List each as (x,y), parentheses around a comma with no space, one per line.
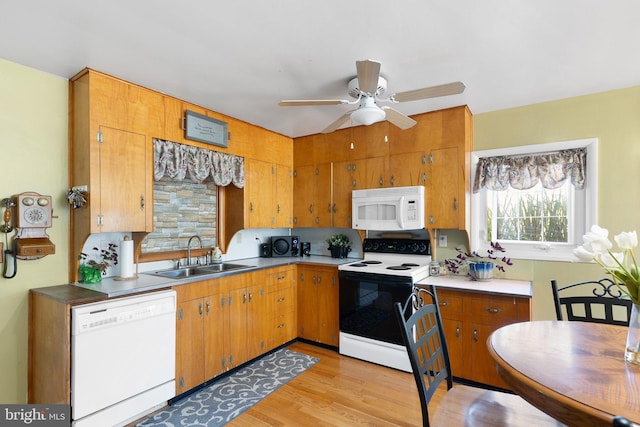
(368,88)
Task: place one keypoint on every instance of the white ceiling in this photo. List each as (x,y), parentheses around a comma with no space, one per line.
(241,57)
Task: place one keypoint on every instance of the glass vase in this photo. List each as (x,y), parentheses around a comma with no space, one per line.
(90,275)
(632,350)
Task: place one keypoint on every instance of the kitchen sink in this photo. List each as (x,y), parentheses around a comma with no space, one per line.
(202,270)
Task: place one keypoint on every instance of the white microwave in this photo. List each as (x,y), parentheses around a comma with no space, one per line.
(395,208)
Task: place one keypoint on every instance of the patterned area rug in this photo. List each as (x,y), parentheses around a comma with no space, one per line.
(229,397)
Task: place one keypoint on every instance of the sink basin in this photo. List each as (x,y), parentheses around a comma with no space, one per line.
(181,273)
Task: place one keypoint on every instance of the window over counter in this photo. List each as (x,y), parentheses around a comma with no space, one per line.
(536,200)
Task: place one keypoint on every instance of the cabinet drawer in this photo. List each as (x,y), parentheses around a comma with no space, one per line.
(450,303)
(283,329)
(282,301)
(281,279)
(499,308)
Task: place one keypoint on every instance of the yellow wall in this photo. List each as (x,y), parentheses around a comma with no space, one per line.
(612,117)
(33,153)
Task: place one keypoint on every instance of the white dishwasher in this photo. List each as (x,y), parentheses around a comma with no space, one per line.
(122,358)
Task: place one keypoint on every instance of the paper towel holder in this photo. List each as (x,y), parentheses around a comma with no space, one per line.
(126,260)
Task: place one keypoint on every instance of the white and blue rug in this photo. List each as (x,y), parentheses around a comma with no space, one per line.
(222,401)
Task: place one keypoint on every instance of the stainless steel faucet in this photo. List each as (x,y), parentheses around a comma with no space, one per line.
(189,247)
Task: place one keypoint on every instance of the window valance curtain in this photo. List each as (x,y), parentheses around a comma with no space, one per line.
(525,171)
(176,161)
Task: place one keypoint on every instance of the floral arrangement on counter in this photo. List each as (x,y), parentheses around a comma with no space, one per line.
(477,266)
(621,266)
(92,270)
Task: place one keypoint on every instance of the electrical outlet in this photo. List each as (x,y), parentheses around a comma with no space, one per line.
(255,236)
(442,241)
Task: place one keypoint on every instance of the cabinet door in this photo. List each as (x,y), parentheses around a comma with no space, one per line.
(189,345)
(481,365)
(237,328)
(214,332)
(124,174)
(371,172)
(257,321)
(445,202)
(343,183)
(327,306)
(407,169)
(284,197)
(303,208)
(322,195)
(260,182)
(307,304)
(453,334)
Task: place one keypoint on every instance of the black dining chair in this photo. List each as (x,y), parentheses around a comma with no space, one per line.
(596,301)
(462,405)
(623,422)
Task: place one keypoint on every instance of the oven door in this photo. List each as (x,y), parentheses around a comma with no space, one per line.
(367,305)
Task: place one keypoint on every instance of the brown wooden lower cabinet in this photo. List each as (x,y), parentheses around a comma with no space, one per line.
(318,314)
(469,318)
(225,322)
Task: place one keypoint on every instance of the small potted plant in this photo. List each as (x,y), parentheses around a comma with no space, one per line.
(339,245)
(92,270)
(476,266)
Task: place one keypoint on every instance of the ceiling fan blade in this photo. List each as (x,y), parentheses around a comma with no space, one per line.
(368,74)
(398,119)
(335,125)
(429,92)
(303,102)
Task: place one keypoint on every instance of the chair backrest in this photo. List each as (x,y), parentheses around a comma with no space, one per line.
(623,422)
(592,301)
(426,345)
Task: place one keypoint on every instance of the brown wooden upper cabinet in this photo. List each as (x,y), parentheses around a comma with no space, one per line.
(434,153)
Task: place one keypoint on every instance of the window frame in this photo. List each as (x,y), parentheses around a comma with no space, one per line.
(538,250)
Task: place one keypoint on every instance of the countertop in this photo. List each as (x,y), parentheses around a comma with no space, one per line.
(145,282)
(520,288)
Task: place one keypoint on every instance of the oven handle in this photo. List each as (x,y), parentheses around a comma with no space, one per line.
(373,277)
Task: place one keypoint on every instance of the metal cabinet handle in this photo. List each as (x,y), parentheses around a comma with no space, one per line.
(208,307)
(244,297)
(281,299)
(200,309)
(392,181)
(311,208)
(444,303)
(475,335)
(250,296)
(493,310)
(457,331)
(455,204)
(141,202)
(281,325)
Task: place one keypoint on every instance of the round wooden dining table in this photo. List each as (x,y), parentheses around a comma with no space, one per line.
(573,371)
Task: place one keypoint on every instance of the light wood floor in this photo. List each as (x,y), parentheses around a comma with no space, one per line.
(340,391)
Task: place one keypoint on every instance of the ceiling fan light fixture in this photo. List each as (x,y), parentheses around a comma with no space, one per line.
(368,113)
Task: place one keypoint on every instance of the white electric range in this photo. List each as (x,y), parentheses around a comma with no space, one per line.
(369,289)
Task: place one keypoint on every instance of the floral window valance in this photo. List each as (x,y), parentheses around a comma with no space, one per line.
(525,171)
(177,161)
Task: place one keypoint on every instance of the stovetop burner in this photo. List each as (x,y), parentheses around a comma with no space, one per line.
(398,267)
(398,257)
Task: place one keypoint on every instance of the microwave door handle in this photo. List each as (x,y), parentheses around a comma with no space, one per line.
(401,218)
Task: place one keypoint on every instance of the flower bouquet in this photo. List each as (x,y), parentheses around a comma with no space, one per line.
(476,266)
(623,269)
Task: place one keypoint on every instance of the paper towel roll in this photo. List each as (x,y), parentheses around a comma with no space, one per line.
(126,259)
